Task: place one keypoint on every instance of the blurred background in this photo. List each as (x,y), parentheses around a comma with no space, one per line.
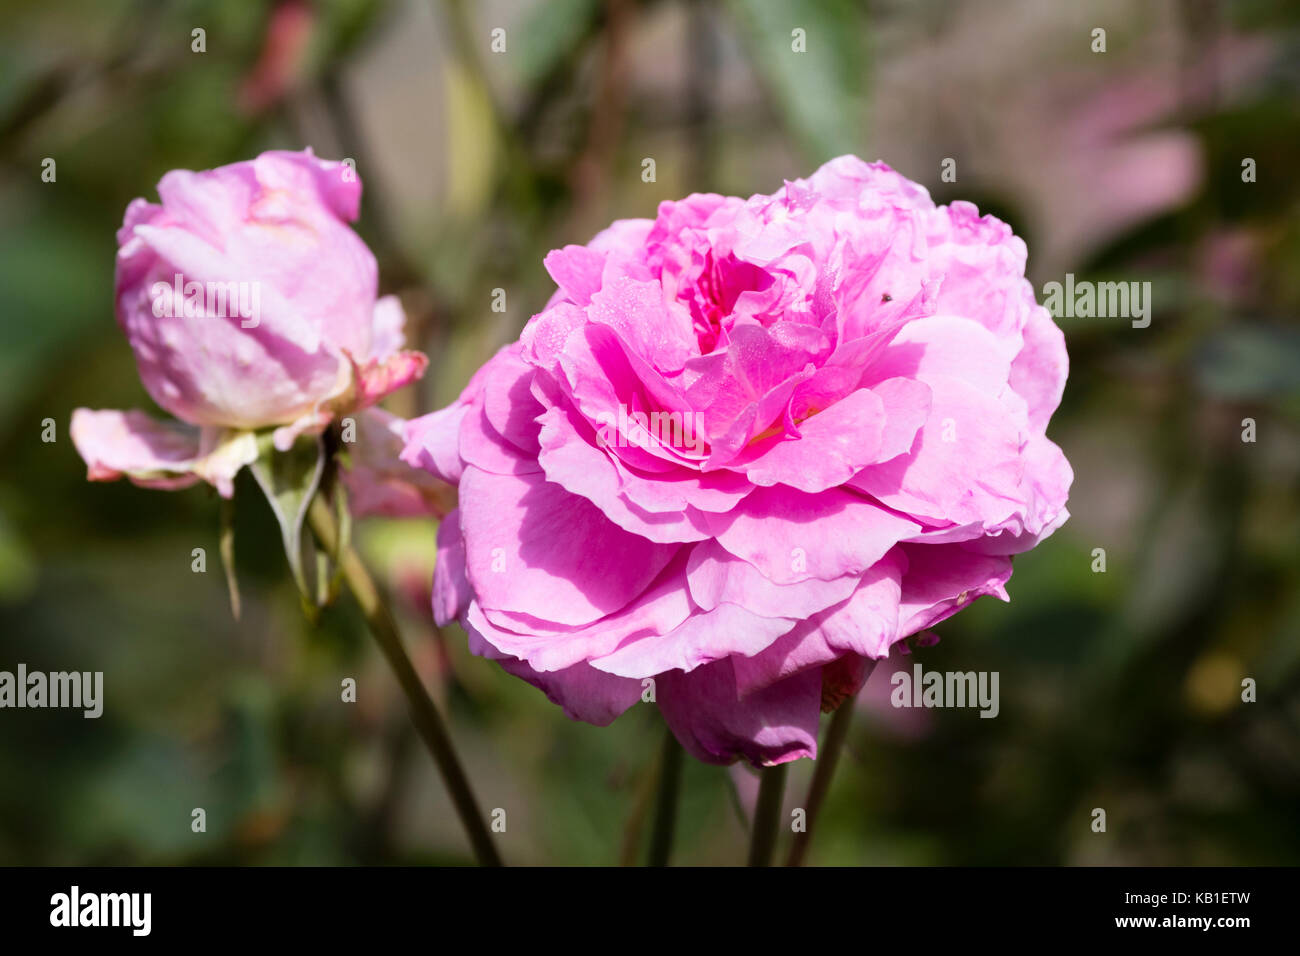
(1120,690)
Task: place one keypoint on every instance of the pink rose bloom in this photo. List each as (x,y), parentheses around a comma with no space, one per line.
(748,446)
(249,303)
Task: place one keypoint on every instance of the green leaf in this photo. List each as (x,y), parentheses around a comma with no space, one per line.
(289,480)
(227,549)
(550,34)
(819,92)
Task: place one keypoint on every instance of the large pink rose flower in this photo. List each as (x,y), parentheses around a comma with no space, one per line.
(250,303)
(747,447)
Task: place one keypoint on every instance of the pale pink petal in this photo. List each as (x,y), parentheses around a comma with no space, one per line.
(388,321)
(151,453)
(158,454)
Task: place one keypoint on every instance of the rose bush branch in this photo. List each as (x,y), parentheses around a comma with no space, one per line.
(767,814)
(828,757)
(666,800)
(424,713)
(253,311)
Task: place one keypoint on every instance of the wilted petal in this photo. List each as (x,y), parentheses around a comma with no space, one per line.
(158,454)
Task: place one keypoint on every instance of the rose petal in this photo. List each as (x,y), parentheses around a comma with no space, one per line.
(715,724)
(791,535)
(531,544)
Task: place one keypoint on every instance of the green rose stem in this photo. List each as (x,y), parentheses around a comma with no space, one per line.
(767,815)
(670,785)
(827,758)
(423,712)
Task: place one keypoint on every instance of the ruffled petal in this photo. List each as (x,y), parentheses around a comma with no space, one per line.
(942,579)
(530,544)
(585,693)
(790,535)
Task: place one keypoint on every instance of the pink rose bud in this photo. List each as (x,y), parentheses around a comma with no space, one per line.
(749,445)
(249,303)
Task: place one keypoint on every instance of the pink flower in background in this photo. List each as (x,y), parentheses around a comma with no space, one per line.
(249,303)
(747,447)
(379,483)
